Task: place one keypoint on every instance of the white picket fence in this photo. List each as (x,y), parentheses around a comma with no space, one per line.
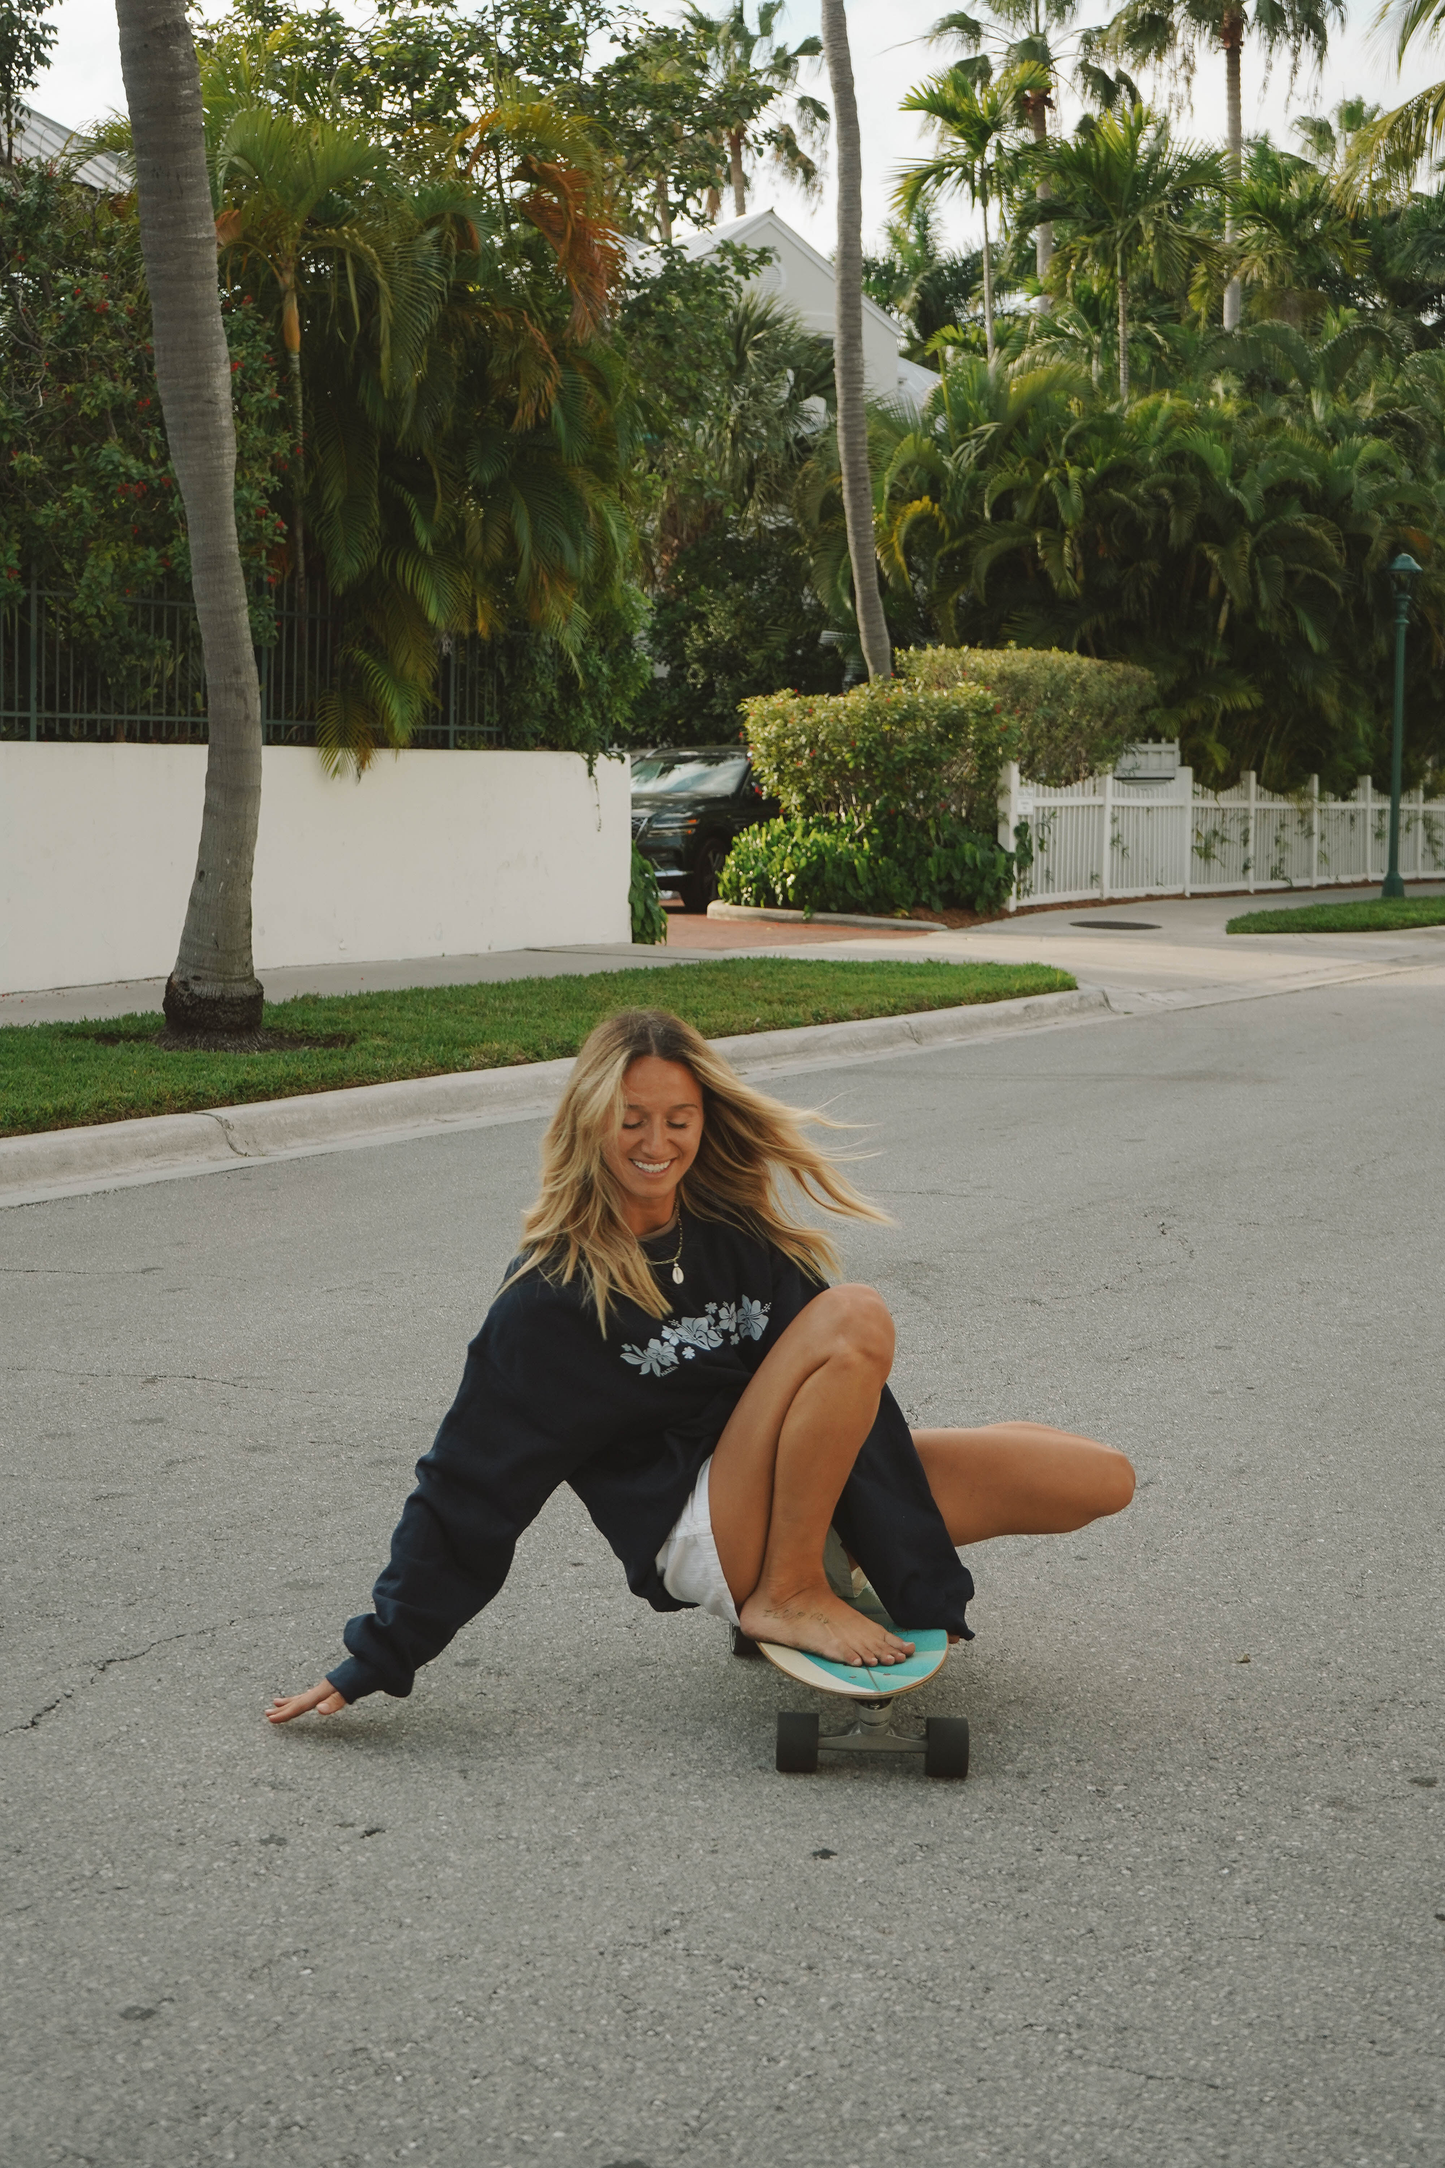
(1106,838)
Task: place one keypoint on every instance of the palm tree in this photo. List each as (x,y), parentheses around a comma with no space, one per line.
(932,289)
(1293,240)
(466,471)
(1329,138)
(1385,152)
(213,989)
(745,72)
(1169,32)
(1040,32)
(737,464)
(848,350)
(292,179)
(975,122)
(1235,548)
(1125,198)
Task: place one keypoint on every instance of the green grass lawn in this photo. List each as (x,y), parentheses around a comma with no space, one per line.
(1371,916)
(58,1076)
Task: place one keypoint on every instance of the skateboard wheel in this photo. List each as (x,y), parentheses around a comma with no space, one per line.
(743,1646)
(797,1744)
(945,1747)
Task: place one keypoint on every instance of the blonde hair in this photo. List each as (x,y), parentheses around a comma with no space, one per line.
(748,1142)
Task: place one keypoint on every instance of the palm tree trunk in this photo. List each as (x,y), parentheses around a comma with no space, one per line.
(848,349)
(1232,37)
(1123,335)
(662,209)
(987,282)
(1037,106)
(735,169)
(213,988)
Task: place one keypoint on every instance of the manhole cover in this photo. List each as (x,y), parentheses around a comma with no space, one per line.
(1115,925)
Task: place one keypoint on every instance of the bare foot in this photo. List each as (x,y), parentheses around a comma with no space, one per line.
(816,1620)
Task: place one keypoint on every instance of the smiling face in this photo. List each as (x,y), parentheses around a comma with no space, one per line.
(657,1141)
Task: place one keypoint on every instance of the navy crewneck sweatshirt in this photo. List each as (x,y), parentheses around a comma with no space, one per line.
(628,1420)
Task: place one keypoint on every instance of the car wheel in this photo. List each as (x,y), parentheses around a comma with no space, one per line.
(700,888)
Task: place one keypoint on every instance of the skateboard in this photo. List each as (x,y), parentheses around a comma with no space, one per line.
(872,1691)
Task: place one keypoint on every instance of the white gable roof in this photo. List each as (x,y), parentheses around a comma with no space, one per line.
(802,279)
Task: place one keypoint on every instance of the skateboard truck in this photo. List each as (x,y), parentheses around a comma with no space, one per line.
(943,1740)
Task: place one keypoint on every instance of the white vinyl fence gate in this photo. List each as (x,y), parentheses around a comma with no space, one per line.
(1107,837)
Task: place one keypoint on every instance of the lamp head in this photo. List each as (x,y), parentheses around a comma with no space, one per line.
(1404,572)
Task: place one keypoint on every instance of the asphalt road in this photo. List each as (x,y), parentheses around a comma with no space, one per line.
(558,1908)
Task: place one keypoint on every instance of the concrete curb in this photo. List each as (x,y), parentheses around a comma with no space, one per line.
(69,1162)
(780,917)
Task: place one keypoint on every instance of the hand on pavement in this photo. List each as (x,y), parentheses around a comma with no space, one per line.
(323,1698)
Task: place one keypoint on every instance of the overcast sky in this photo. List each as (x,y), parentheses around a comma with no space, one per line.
(890,53)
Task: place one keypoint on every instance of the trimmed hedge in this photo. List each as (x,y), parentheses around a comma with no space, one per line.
(886,750)
(1066,715)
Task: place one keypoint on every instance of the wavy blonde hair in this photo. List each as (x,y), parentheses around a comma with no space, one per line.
(749,1144)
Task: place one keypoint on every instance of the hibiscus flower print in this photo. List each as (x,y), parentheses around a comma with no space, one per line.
(653,1360)
(693,1332)
(684,1337)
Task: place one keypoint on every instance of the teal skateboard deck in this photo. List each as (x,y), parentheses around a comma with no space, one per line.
(865,1682)
(871,1690)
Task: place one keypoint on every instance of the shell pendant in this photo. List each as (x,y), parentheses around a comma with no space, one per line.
(677,1274)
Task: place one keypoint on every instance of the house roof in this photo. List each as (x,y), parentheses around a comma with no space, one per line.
(765,229)
(48,141)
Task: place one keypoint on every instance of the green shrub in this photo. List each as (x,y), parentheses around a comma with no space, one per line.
(1066,716)
(882,869)
(803,863)
(884,751)
(960,870)
(644,901)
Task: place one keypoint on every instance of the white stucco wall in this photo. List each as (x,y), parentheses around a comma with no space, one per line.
(428,854)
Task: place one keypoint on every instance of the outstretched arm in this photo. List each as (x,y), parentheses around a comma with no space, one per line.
(527,1413)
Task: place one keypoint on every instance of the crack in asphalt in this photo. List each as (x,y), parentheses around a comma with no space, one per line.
(102,1664)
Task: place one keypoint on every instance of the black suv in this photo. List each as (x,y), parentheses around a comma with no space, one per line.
(688,802)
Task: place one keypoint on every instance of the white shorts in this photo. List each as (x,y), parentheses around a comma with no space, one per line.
(688,1562)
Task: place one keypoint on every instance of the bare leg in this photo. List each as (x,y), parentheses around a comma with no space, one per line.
(1021,1479)
(780,1466)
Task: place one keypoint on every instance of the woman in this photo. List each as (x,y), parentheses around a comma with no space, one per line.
(667,1344)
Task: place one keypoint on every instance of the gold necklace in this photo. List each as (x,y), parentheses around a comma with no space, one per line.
(676,1258)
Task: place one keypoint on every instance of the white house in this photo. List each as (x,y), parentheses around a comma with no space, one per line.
(803,280)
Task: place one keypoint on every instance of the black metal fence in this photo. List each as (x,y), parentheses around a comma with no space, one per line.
(55,687)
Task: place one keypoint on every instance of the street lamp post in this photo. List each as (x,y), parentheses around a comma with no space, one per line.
(1404,572)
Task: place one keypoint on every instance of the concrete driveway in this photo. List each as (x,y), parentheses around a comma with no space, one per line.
(558,1908)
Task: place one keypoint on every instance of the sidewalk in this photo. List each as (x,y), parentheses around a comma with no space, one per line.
(1174,946)
(690,940)
(127,997)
